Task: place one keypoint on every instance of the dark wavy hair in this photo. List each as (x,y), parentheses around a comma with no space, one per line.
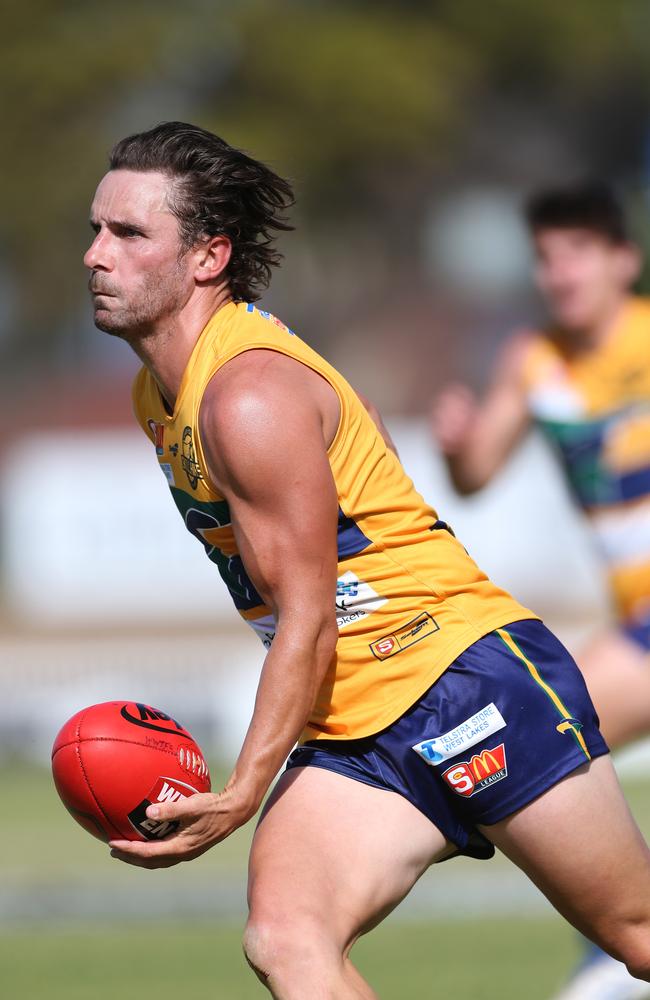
(217,190)
(589,204)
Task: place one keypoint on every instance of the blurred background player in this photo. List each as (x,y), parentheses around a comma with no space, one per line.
(585,381)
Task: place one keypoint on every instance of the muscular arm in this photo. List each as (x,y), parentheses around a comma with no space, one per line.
(266,423)
(476,438)
(263,433)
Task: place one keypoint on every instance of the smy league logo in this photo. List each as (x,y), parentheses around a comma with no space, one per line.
(470,777)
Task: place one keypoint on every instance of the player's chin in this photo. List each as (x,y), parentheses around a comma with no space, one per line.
(108,322)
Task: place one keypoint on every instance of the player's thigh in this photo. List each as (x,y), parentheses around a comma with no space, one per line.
(617,672)
(579,843)
(336,853)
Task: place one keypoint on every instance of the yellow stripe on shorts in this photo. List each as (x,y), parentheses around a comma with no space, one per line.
(510,643)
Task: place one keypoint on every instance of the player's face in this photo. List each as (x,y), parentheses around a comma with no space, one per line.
(139,275)
(582,275)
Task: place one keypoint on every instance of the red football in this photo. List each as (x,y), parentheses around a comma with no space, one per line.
(111,761)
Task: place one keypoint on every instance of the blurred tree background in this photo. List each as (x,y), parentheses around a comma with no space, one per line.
(380,113)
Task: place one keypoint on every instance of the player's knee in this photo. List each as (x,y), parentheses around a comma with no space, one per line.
(637,960)
(632,946)
(282,949)
(258,949)
(270,947)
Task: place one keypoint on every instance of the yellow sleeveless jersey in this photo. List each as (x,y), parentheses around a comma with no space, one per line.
(408,599)
(595,407)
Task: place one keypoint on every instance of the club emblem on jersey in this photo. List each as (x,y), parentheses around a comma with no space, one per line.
(569,725)
(574,726)
(158,431)
(468,778)
(188,459)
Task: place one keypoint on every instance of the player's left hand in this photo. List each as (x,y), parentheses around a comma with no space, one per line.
(205,819)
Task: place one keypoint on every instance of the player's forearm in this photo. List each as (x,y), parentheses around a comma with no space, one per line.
(468,471)
(293,671)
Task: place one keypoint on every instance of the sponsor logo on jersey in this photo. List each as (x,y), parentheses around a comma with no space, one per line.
(250,308)
(416,630)
(467,734)
(355,600)
(173,449)
(168,473)
(264,628)
(188,459)
(473,776)
(158,431)
(164,790)
(385,647)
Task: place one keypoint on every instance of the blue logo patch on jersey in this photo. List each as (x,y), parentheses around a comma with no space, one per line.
(250,308)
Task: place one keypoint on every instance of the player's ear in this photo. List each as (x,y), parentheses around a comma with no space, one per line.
(212,257)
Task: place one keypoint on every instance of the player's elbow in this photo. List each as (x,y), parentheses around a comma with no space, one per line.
(311,631)
(472,471)
(466,489)
(466,482)
(324,636)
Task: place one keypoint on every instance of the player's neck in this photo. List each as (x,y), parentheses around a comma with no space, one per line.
(595,335)
(166,350)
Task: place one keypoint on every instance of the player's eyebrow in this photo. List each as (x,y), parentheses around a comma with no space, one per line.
(117,224)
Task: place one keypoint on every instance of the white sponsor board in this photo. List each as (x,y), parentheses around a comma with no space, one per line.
(90,534)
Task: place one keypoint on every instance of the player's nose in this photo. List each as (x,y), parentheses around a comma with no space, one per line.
(97,256)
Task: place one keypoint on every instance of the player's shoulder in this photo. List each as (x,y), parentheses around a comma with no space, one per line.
(258,384)
(255,370)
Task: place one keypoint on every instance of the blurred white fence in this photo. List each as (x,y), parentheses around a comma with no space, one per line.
(107,596)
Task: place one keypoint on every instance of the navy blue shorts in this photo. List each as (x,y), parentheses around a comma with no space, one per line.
(506,721)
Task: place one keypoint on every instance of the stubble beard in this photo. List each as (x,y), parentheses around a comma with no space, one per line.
(159,298)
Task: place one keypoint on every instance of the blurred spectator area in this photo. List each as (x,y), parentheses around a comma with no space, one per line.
(105,595)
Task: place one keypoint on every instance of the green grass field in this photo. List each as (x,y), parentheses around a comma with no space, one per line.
(469,960)
(45,853)
(48,846)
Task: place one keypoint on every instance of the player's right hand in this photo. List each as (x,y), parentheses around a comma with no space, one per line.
(452,416)
(205,819)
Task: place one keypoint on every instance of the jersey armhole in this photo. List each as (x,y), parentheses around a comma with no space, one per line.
(337,440)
